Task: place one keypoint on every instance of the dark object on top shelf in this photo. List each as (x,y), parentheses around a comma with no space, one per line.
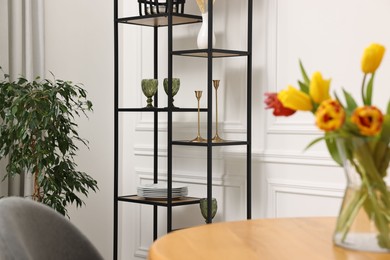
(148,7)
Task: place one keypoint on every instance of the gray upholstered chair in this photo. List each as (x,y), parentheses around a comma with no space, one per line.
(30,231)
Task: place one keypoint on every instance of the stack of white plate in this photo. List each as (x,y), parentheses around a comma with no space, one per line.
(159,191)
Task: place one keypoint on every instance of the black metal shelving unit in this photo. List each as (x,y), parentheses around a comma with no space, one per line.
(171,20)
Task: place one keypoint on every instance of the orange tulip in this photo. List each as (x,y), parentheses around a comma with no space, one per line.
(330,115)
(368,119)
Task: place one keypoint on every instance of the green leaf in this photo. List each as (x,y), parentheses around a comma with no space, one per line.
(388,108)
(304,88)
(332,148)
(330,140)
(304,74)
(338,99)
(38,134)
(351,103)
(381,150)
(14,110)
(314,142)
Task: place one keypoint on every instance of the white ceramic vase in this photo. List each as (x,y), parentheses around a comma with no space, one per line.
(202,40)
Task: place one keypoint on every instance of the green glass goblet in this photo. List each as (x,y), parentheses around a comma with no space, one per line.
(203,207)
(175,87)
(149,88)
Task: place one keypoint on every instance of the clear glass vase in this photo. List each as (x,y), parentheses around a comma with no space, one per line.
(364,219)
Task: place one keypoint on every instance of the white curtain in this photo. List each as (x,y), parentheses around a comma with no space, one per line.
(25,56)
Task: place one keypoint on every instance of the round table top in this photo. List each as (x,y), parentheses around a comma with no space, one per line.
(284,238)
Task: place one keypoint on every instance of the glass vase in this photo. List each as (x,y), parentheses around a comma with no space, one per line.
(364,219)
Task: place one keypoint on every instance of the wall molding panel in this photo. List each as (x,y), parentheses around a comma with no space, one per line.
(146,125)
(288,187)
(294,157)
(193,178)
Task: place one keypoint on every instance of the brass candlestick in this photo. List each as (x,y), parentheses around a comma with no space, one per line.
(198,139)
(216,138)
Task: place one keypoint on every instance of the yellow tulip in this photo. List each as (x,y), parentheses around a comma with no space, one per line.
(330,115)
(319,88)
(294,99)
(372,57)
(368,119)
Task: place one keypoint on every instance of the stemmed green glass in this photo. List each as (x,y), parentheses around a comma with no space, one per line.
(175,87)
(203,207)
(149,88)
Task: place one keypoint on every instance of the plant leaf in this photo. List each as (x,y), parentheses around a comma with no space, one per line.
(39,135)
(314,142)
(388,108)
(338,99)
(304,88)
(304,74)
(331,144)
(351,103)
(330,140)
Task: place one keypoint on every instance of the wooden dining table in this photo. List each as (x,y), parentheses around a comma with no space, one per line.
(266,239)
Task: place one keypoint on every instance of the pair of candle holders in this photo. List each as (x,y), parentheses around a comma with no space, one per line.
(216,138)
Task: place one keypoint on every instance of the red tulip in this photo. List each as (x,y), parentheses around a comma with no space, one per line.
(273,102)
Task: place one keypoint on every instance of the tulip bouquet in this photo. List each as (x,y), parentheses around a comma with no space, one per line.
(357,137)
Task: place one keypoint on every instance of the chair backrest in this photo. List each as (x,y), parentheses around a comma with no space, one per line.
(30,230)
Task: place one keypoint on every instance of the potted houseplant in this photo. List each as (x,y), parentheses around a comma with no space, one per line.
(38,134)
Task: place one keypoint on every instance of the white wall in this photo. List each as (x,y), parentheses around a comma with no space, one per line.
(327,35)
(79,47)
(4,32)
(4,65)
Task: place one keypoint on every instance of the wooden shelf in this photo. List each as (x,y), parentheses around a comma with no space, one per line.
(164,203)
(216,53)
(225,143)
(160,20)
(161,109)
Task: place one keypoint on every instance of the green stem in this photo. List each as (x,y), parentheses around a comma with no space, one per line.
(371,194)
(349,213)
(377,192)
(362,89)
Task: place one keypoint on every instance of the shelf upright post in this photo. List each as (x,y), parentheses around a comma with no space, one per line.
(155,145)
(210,111)
(169,126)
(116,127)
(249,113)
